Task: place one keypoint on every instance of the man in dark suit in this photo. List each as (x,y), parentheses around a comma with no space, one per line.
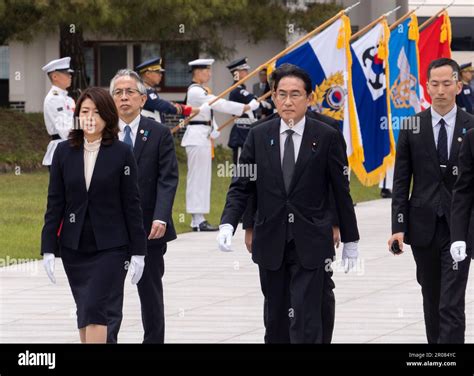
(329,300)
(297,158)
(427,153)
(157,181)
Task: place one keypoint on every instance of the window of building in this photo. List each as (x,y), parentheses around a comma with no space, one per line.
(104,59)
(111,59)
(4,63)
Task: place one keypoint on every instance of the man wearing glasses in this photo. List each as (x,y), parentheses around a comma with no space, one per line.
(298,160)
(154,152)
(427,160)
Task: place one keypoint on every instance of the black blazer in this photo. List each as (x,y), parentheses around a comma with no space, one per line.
(321,162)
(112,201)
(462,210)
(248,219)
(157,176)
(417,158)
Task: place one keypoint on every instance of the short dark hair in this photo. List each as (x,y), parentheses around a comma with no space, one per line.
(441,62)
(290,70)
(107,111)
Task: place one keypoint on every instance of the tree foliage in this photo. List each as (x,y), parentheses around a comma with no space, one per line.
(162,20)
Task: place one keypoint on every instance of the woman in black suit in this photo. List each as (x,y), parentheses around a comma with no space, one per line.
(94,206)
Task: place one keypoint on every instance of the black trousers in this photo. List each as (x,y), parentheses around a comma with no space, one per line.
(293,306)
(443,286)
(150,291)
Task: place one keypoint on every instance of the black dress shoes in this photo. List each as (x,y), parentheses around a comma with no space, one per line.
(205,226)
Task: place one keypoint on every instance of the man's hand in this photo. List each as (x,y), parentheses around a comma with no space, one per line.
(246,108)
(158,230)
(350,253)
(336,236)
(458,251)
(224,238)
(248,239)
(397,236)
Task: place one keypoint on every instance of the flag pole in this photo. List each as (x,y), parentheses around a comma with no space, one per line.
(432,18)
(373,23)
(274,58)
(403,18)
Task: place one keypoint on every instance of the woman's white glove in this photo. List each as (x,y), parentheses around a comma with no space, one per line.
(137,264)
(48,263)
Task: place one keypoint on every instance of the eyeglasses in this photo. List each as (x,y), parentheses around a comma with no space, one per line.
(294,96)
(128,92)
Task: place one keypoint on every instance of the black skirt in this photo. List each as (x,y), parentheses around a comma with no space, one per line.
(94,276)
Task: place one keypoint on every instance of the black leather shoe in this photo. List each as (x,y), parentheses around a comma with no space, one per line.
(205,226)
(385,193)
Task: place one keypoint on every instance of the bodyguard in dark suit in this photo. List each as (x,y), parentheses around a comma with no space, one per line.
(154,152)
(93,200)
(297,159)
(427,153)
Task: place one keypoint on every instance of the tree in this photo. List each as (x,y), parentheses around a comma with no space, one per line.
(155,20)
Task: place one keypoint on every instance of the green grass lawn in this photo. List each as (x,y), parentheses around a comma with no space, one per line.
(23,203)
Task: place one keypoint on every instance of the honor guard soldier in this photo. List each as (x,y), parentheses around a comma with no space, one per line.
(197,141)
(151,72)
(465,98)
(240,69)
(58,107)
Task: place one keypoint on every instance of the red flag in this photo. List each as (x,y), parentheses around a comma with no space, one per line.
(434,42)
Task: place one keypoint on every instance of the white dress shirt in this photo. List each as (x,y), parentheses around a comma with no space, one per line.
(297,136)
(450,122)
(133,125)
(91,151)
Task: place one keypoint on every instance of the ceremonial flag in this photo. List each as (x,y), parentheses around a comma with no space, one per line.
(370,85)
(434,43)
(403,65)
(327,59)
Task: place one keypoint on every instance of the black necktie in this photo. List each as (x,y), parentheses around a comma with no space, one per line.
(442,143)
(288,165)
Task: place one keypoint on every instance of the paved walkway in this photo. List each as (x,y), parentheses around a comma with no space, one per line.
(215,297)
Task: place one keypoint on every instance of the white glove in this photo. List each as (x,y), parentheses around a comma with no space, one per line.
(224,238)
(48,263)
(350,253)
(266,105)
(137,264)
(254,104)
(214,134)
(458,251)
